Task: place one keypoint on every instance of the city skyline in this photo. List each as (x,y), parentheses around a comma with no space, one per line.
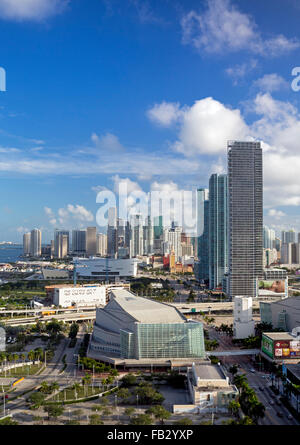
(72,124)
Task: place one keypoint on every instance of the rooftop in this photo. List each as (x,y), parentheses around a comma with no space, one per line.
(292,302)
(209,372)
(279,335)
(145,310)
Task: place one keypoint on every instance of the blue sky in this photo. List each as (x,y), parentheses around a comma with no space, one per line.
(146,91)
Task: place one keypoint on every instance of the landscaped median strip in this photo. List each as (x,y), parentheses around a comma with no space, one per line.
(85,399)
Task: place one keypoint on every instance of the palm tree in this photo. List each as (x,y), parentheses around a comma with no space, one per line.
(240,380)
(234,408)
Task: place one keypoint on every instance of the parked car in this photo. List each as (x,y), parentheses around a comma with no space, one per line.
(290,417)
(260,388)
(252,370)
(271,402)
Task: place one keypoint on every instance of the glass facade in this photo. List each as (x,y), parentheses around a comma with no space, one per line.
(218,246)
(173,340)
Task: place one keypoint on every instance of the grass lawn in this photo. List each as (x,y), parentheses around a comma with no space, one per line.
(69,393)
(22,371)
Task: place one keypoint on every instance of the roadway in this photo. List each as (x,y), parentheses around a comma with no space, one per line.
(52,372)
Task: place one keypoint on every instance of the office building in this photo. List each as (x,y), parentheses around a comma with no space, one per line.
(218,242)
(288,236)
(245,206)
(91,241)
(142,331)
(112,232)
(202,264)
(158,226)
(36,243)
(79,242)
(136,236)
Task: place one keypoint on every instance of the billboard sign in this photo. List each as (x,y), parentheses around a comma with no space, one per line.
(272,287)
(286,349)
(267,346)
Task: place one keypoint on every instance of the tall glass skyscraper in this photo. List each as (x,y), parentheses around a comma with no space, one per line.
(245,206)
(202,266)
(218,246)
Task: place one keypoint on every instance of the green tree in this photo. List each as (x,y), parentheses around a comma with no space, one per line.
(36,399)
(129,380)
(234,408)
(159,412)
(54,411)
(95,419)
(141,419)
(129,411)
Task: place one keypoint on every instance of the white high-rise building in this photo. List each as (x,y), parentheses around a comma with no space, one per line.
(286,253)
(101,244)
(269,238)
(173,238)
(61,243)
(36,243)
(26,243)
(243,324)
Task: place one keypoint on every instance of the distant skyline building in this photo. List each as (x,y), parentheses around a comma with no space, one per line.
(245,205)
(288,236)
(79,242)
(218,242)
(26,243)
(112,232)
(269,238)
(101,244)
(172,241)
(91,241)
(61,243)
(137,236)
(36,243)
(158,226)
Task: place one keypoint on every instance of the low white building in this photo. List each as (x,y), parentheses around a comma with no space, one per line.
(80,296)
(100,268)
(210,388)
(243,323)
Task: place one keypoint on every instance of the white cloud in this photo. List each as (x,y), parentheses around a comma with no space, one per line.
(277,214)
(108,142)
(31,10)
(207,125)
(164,114)
(69,216)
(240,71)
(222,28)
(131,186)
(168,187)
(270,82)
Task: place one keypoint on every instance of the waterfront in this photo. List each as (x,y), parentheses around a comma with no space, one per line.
(10,253)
